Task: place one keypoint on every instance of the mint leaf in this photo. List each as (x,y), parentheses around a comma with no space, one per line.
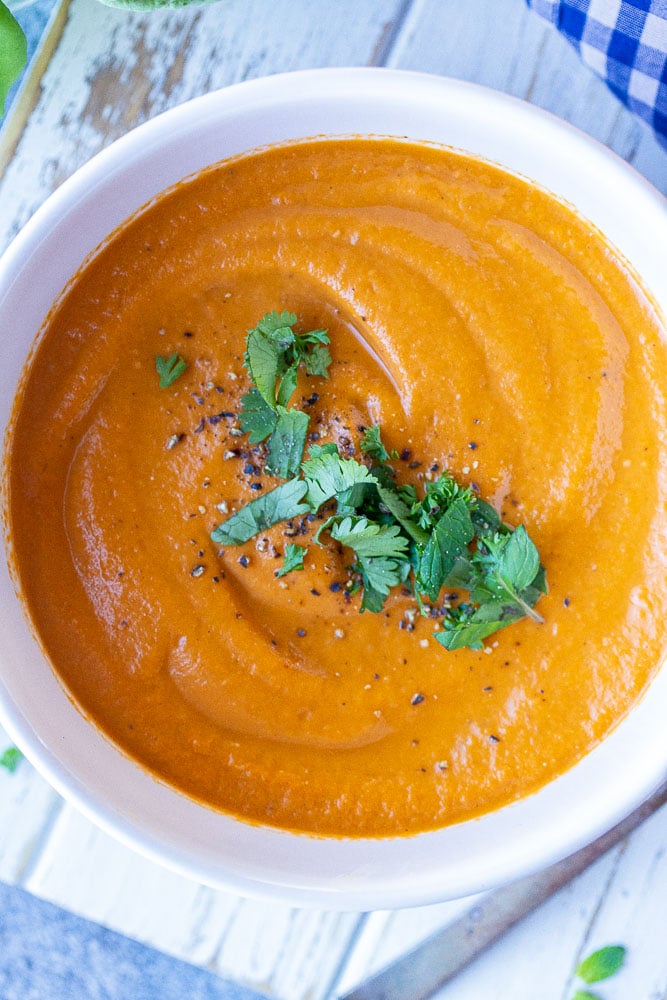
(586,995)
(13,52)
(11,758)
(506,562)
(257,418)
(169,368)
(450,537)
(519,560)
(327,475)
(280,504)
(601,964)
(286,442)
(468,625)
(440,495)
(293,559)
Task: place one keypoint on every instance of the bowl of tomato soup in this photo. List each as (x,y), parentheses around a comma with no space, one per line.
(334,490)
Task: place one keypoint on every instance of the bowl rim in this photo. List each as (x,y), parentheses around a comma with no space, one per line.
(303,869)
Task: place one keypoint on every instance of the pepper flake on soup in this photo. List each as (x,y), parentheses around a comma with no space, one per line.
(200,505)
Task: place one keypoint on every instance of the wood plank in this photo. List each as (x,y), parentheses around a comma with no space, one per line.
(23,104)
(508,47)
(286,952)
(28,809)
(114,69)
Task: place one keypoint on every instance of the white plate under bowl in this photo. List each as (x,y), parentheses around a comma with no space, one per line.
(83,765)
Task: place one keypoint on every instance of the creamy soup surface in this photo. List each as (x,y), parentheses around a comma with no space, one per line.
(489,331)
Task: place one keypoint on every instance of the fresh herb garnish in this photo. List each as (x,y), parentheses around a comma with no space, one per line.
(11,758)
(280,504)
(169,369)
(449,538)
(293,559)
(601,964)
(13,52)
(274,352)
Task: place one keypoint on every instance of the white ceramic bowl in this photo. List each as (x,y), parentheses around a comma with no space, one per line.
(34,708)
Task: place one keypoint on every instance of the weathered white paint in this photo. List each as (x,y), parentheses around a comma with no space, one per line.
(111,71)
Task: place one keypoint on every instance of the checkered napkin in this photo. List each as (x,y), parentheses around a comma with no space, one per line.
(625,42)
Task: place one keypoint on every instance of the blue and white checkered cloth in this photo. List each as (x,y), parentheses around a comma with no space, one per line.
(625,42)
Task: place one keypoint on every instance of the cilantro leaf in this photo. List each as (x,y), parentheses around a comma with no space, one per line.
(277,505)
(293,559)
(287,442)
(449,538)
(257,418)
(274,352)
(287,385)
(13,52)
(601,964)
(391,500)
(262,359)
(327,475)
(379,574)
(368,539)
(277,326)
(169,368)
(317,361)
(371,444)
(11,758)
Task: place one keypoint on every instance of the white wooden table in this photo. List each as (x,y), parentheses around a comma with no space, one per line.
(103,71)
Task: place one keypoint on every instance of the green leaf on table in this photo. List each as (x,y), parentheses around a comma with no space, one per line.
(293,559)
(11,758)
(586,995)
(601,964)
(13,52)
(169,368)
(280,504)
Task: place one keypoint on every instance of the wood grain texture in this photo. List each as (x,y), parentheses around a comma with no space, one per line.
(111,71)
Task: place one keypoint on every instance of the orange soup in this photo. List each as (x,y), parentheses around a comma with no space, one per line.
(489,331)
